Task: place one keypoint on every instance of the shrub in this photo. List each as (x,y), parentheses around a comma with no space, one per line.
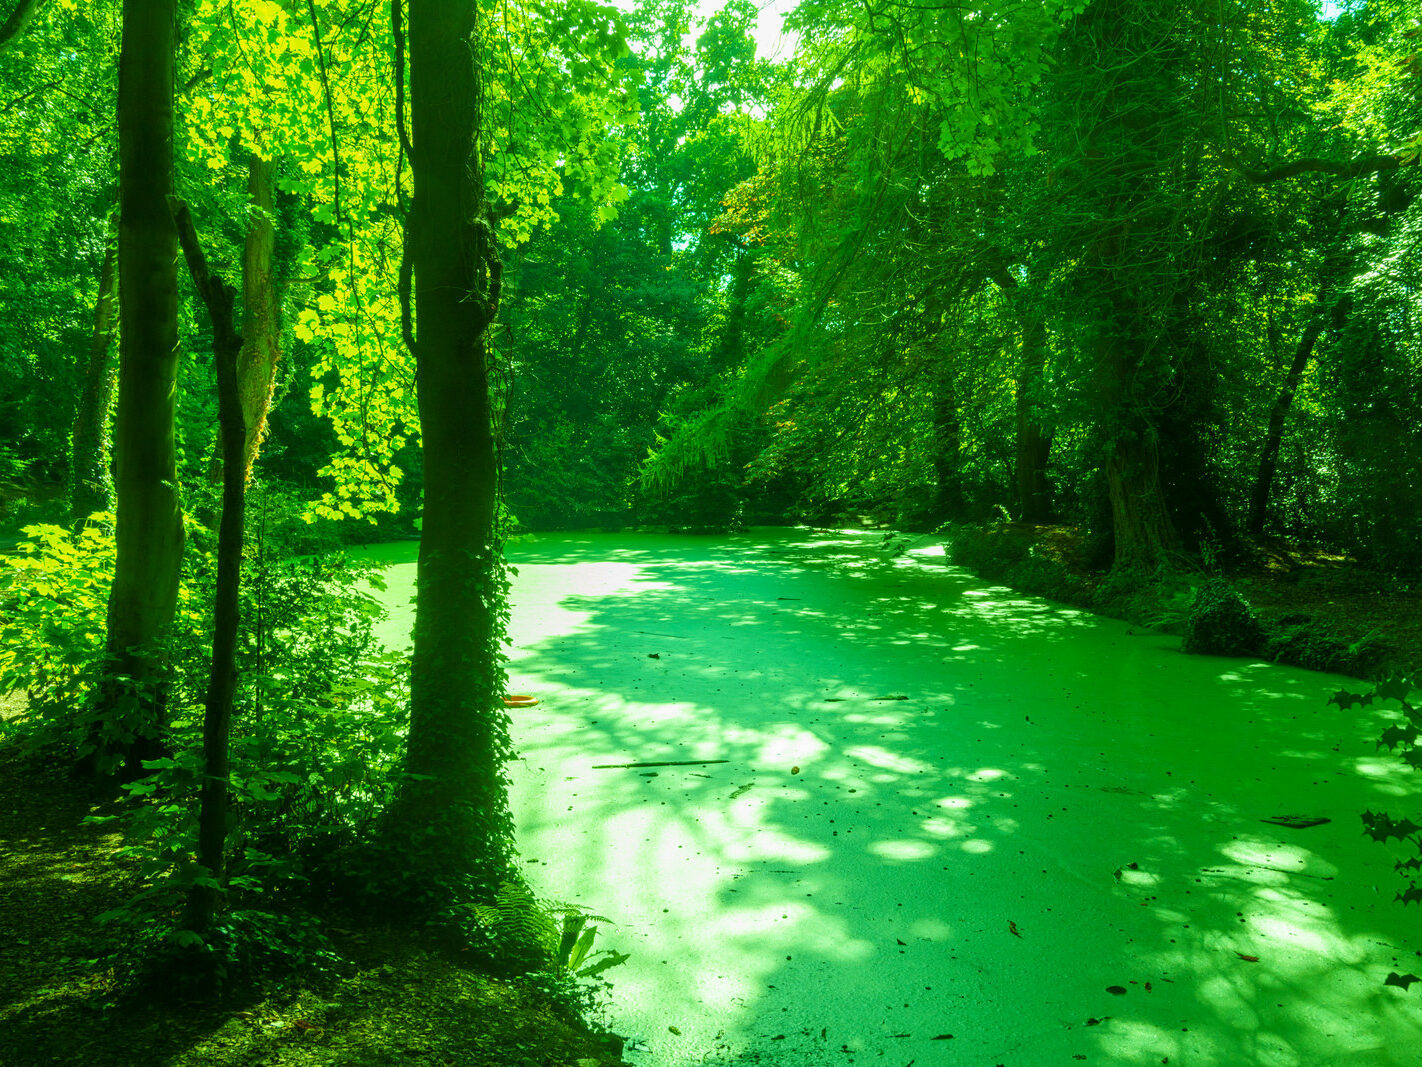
(318,725)
(1221,623)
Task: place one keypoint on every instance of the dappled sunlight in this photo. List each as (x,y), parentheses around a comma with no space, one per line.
(834,825)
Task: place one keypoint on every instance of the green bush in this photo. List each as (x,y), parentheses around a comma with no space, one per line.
(1221,622)
(53,598)
(318,726)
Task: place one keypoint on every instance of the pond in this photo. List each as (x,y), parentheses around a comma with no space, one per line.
(939,822)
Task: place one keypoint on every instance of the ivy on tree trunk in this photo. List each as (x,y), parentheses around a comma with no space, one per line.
(451,818)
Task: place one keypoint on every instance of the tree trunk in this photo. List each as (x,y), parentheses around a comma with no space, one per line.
(1274,436)
(1034,445)
(950,502)
(91,485)
(451,817)
(261,310)
(1144,536)
(149,521)
(213,805)
(1143,533)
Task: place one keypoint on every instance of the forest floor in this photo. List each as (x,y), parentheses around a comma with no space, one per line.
(1322,609)
(394,1001)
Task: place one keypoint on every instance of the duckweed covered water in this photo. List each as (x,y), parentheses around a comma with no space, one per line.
(953,825)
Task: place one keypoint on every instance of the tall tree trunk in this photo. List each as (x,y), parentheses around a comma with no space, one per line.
(1034,445)
(261,309)
(451,816)
(149,523)
(1274,435)
(91,485)
(1143,533)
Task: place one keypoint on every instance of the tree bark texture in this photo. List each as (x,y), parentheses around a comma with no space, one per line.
(213,801)
(91,485)
(1034,445)
(149,520)
(451,815)
(261,310)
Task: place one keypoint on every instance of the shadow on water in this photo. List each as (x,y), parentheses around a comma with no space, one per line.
(947,823)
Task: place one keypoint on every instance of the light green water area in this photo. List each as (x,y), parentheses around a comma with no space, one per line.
(953,825)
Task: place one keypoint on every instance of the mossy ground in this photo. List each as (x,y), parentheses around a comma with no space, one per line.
(1320,609)
(395,1001)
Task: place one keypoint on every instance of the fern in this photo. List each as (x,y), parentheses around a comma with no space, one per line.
(559,933)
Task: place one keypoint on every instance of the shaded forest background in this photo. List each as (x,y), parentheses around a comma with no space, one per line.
(1160,281)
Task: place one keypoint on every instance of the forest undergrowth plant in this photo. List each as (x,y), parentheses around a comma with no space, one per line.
(523,933)
(321,716)
(1403,738)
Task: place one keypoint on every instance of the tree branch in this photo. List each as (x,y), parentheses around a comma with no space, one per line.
(1356,168)
(19,18)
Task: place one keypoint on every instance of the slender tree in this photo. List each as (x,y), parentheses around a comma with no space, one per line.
(219,298)
(91,487)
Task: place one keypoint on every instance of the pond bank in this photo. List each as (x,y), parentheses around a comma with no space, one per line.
(1318,610)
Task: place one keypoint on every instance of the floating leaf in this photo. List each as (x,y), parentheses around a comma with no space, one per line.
(1381,827)
(1394,688)
(1116,990)
(1402,981)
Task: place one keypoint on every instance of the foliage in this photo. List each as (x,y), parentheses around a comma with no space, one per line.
(1403,738)
(525,932)
(319,727)
(53,594)
(1221,623)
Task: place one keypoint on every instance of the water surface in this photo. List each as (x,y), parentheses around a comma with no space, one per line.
(953,825)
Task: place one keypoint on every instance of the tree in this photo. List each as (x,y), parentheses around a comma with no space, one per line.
(149,519)
(451,816)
